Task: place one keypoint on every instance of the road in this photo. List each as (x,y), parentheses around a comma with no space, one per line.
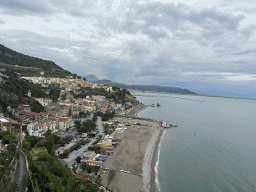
(100,126)
(21,173)
(60,150)
(72,156)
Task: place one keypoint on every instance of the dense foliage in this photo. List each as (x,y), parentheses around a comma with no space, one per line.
(85,127)
(8,137)
(48,173)
(118,96)
(90,168)
(13,58)
(95,148)
(15,91)
(5,159)
(104,116)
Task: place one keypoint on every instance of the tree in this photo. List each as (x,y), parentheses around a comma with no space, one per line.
(94,118)
(78,159)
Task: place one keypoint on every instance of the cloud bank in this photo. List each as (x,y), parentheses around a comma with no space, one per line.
(191,44)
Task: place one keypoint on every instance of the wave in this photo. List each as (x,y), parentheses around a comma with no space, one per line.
(158,187)
(148,157)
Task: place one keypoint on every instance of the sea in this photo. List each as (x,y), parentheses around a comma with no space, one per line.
(213,147)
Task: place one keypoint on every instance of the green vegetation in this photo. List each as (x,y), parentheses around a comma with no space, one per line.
(95,148)
(5,159)
(104,116)
(78,159)
(108,129)
(118,96)
(83,114)
(87,126)
(14,91)
(54,92)
(48,174)
(8,137)
(12,58)
(90,168)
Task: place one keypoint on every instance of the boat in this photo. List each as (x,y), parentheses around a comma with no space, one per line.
(152,105)
(158,105)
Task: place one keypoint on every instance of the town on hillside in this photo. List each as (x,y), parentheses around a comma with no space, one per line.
(70,133)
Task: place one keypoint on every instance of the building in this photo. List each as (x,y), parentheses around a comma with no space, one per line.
(43,102)
(88,155)
(52,114)
(106,143)
(109,89)
(24,109)
(48,124)
(8,124)
(35,130)
(35,116)
(90,108)
(63,123)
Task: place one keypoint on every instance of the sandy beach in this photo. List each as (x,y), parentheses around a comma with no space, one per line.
(135,153)
(135,110)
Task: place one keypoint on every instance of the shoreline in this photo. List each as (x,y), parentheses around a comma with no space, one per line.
(136,153)
(142,108)
(153,162)
(154,159)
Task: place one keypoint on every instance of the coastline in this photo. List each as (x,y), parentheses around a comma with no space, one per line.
(137,153)
(142,108)
(154,161)
(134,152)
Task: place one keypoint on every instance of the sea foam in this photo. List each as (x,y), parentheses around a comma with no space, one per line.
(148,159)
(158,188)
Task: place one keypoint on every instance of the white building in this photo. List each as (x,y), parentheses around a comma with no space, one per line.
(43,102)
(35,130)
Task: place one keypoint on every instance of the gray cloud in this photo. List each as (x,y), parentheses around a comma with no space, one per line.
(150,19)
(129,42)
(25,7)
(245,52)
(1,22)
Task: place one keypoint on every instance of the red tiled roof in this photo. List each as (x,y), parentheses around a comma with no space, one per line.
(34,114)
(78,176)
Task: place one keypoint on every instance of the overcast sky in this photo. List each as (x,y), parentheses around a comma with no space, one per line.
(200,45)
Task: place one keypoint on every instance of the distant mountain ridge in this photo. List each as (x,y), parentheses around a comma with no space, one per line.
(91,78)
(151,88)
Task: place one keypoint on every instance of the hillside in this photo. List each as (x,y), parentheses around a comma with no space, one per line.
(91,78)
(14,91)
(151,88)
(29,66)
